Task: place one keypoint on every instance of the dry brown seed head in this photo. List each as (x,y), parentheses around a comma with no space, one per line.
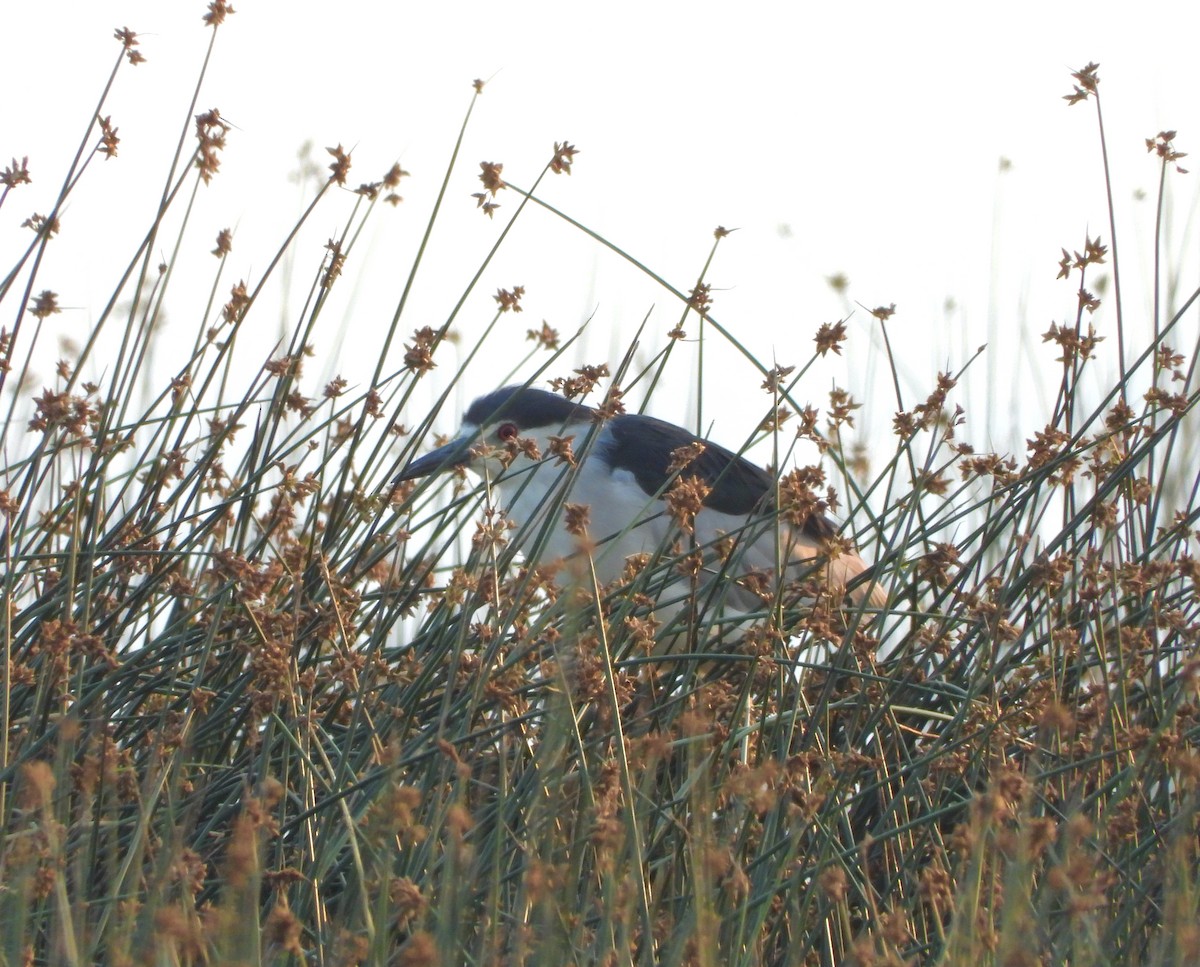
(685,499)
(510,299)
(43,225)
(108,137)
(210,135)
(46,304)
(560,449)
(490,176)
(833,881)
(611,405)
(830,337)
(407,900)
(218,10)
(282,928)
(418,357)
(1163,143)
(546,337)
(16,173)
(775,378)
(419,950)
(564,155)
(337,260)
(393,176)
(576,518)
(129,41)
(1086,82)
(700,298)
(340,166)
(841,408)
(683,456)
(224,243)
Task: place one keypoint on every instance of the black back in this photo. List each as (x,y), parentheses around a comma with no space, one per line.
(527,407)
(643,446)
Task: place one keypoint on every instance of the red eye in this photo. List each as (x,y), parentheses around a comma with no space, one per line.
(507,432)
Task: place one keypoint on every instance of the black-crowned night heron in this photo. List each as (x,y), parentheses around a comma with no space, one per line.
(623,470)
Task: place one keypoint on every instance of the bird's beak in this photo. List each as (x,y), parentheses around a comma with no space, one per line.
(456,453)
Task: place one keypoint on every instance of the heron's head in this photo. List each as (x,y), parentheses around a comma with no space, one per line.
(506,424)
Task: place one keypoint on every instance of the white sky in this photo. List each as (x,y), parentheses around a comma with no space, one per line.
(861,138)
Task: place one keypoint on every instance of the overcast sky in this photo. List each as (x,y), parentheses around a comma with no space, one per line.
(864,139)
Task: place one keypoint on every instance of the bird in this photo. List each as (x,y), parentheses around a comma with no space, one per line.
(544,454)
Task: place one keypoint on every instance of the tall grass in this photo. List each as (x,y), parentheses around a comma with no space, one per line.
(260,706)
